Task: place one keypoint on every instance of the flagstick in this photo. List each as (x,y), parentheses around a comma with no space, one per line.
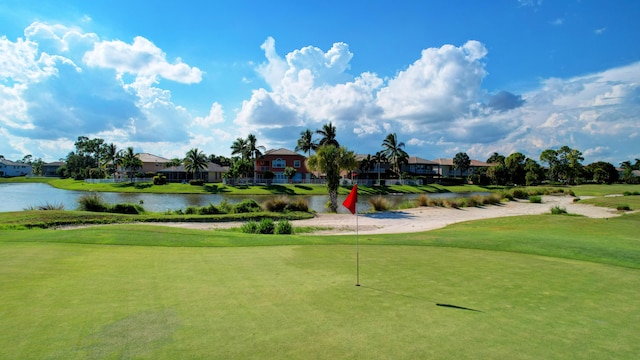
(357,252)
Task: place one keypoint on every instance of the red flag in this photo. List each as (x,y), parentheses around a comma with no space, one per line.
(352,199)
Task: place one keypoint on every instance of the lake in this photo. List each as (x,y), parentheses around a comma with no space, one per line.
(19,196)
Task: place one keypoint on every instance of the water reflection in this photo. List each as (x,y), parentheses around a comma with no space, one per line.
(25,195)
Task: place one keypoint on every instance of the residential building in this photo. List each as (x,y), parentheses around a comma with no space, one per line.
(51,169)
(212,174)
(276,161)
(151,163)
(417,166)
(447,169)
(10,168)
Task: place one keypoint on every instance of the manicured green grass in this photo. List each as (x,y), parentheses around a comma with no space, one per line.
(72,301)
(614,201)
(602,190)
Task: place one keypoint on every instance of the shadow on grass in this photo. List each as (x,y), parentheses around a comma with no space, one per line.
(303,187)
(215,189)
(421,299)
(279,189)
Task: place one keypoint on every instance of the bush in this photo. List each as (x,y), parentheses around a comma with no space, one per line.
(246,206)
(225,207)
(283,227)
(537,199)
(629,193)
(209,210)
(520,194)
(623,207)
(277,204)
(557,210)
(423,200)
(47,206)
(298,205)
(125,208)
(92,203)
(378,203)
(266,226)
(250,227)
(196,182)
(159,180)
(191,210)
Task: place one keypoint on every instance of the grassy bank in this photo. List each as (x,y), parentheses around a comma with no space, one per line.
(520,288)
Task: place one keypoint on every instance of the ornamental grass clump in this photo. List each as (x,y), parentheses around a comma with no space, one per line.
(246,206)
(266,226)
(379,203)
(557,210)
(93,203)
(536,199)
(283,227)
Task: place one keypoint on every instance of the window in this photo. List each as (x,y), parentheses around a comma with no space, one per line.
(296,163)
(278,163)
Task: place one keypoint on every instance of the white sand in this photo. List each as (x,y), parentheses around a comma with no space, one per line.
(425,218)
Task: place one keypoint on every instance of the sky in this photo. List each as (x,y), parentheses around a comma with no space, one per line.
(445,76)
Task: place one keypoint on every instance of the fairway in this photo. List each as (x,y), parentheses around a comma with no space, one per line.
(76,301)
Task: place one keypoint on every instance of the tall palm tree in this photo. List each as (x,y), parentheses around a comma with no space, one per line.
(367,164)
(130,161)
(328,133)
(255,152)
(330,160)
(306,142)
(109,154)
(239,147)
(379,158)
(195,161)
(392,149)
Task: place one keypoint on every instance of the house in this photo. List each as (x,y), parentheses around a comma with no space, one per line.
(445,167)
(151,163)
(212,174)
(51,169)
(10,168)
(418,166)
(276,161)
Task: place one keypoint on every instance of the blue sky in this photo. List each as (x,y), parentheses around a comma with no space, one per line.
(445,76)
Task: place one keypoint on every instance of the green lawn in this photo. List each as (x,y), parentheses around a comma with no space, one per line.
(542,287)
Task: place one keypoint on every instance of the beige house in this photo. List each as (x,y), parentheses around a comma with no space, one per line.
(445,167)
(151,163)
(212,174)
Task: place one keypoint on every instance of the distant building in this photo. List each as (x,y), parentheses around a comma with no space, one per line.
(51,169)
(212,174)
(276,161)
(446,167)
(10,168)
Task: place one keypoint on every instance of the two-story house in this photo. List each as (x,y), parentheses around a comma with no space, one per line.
(10,168)
(276,161)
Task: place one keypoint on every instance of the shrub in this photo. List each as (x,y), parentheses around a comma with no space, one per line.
(277,204)
(630,193)
(191,210)
(250,227)
(266,226)
(159,180)
(298,205)
(283,227)
(378,203)
(196,182)
(623,207)
(246,206)
(492,199)
(92,203)
(473,201)
(225,207)
(557,210)
(126,209)
(423,200)
(537,199)
(520,194)
(47,206)
(209,210)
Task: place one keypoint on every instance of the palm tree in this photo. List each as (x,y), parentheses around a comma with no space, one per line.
(306,143)
(328,133)
(461,161)
(239,147)
(130,161)
(255,152)
(379,158)
(195,161)
(330,160)
(109,154)
(392,149)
